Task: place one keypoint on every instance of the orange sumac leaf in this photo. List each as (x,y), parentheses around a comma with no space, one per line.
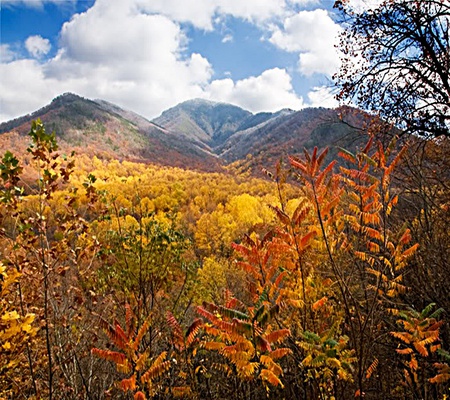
(403,336)
(409,252)
(270,377)
(406,237)
(155,371)
(319,303)
(282,216)
(297,163)
(440,378)
(322,156)
(128,384)
(262,344)
(117,358)
(176,328)
(413,364)
(325,172)
(278,336)
(213,345)
(421,349)
(280,353)
(406,351)
(193,330)
(142,331)
(304,242)
(372,368)
(346,155)
(139,396)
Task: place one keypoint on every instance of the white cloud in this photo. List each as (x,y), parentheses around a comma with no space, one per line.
(114,52)
(313,34)
(197,12)
(37,46)
(253,10)
(23,88)
(363,5)
(304,3)
(36,3)
(227,38)
(202,13)
(270,91)
(6,53)
(134,53)
(322,96)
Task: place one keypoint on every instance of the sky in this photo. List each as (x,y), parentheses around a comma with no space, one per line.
(149,55)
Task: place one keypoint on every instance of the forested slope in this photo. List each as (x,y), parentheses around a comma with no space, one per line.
(126,280)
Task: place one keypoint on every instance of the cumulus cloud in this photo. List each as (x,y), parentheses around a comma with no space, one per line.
(115,52)
(322,96)
(23,88)
(202,13)
(270,91)
(6,53)
(313,34)
(134,53)
(37,46)
(304,2)
(253,10)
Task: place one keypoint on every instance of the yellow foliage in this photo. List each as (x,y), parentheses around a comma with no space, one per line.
(212,280)
(16,331)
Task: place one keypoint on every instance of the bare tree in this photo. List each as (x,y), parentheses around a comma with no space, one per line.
(396,62)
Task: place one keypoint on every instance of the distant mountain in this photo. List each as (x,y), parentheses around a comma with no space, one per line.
(233,133)
(106,130)
(196,134)
(289,133)
(205,121)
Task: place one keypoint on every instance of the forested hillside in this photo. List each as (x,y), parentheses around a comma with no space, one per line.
(124,280)
(218,254)
(196,134)
(102,129)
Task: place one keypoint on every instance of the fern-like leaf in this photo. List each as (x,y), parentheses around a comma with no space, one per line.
(128,384)
(269,376)
(278,336)
(372,368)
(158,368)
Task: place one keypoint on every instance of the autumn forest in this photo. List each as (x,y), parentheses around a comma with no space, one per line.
(323,275)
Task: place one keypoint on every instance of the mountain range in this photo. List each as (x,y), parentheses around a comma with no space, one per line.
(196,134)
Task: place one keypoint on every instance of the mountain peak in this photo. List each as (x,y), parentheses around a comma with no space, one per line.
(201,102)
(204,121)
(198,102)
(68,96)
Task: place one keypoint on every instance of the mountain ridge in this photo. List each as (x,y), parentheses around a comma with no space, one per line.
(104,129)
(197,133)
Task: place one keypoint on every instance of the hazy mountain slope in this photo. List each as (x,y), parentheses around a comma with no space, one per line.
(289,134)
(205,121)
(233,133)
(103,129)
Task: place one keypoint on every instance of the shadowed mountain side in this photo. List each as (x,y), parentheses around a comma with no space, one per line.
(103,129)
(260,140)
(265,144)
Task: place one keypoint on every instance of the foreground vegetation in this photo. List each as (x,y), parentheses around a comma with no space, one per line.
(121,280)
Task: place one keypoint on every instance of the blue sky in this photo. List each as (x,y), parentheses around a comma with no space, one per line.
(149,55)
